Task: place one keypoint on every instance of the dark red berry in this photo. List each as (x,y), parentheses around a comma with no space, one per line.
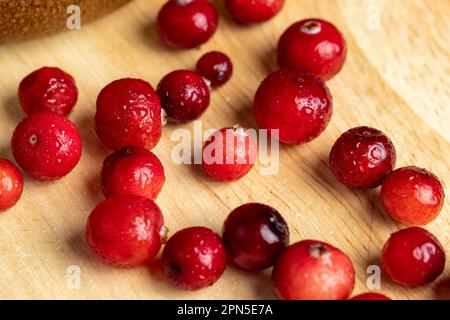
(194,258)
(412,195)
(371,296)
(11,184)
(184,95)
(187,23)
(254,236)
(313,270)
(48,89)
(216,67)
(126,231)
(362,157)
(128,114)
(253,11)
(46,145)
(298,104)
(312,45)
(413,257)
(132,170)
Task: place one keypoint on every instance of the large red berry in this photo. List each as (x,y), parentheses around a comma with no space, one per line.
(254,236)
(128,114)
(312,45)
(229,154)
(253,11)
(298,104)
(47,146)
(370,296)
(412,195)
(194,258)
(313,270)
(126,231)
(187,23)
(184,95)
(132,170)
(361,157)
(48,89)
(11,184)
(216,67)
(413,257)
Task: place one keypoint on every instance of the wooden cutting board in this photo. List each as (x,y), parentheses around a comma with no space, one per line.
(396,79)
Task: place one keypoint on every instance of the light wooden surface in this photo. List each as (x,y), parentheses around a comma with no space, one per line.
(396,79)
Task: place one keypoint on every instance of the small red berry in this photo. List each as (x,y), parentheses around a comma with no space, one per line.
(11,184)
(184,95)
(298,104)
(412,195)
(187,23)
(126,231)
(312,45)
(371,296)
(253,11)
(216,67)
(132,170)
(413,257)
(48,89)
(46,145)
(254,236)
(313,270)
(194,258)
(361,157)
(128,114)
(229,154)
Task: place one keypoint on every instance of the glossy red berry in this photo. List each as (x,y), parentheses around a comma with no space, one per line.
(413,257)
(312,45)
(126,231)
(313,270)
(11,184)
(229,154)
(298,104)
(412,195)
(361,157)
(132,170)
(48,89)
(47,146)
(254,236)
(216,67)
(128,114)
(370,296)
(184,95)
(194,258)
(253,11)
(187,23)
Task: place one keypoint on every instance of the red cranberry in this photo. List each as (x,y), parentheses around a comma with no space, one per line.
(126,231)
(216,67)
(184,95)
(361,157)
(254,236)
(253,11)
(194,258)
(187,23)
(48,89)
(413,196)
(229,154)
(128,114)
(313,270)
(11,184)
(413,257)
(312,45)
(47,146)
(298,104)
(371,296)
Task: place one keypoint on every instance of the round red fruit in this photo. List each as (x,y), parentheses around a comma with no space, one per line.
(361,157)
(11,184)
(216,67)
(128,114)
(297,104)
(312,45)
(412,195)
(47,146)
(253,11)
(370,296)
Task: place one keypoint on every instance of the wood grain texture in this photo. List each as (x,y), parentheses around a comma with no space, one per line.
(395,79)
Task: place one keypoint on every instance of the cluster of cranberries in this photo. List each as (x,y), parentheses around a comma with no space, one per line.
(127,228)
